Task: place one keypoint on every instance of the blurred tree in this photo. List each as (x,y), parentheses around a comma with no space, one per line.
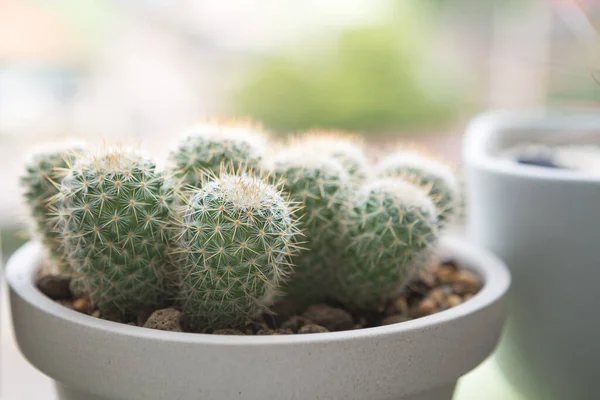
(376,78)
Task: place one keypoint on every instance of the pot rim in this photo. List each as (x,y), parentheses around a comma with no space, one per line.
(23,266)
(481,131)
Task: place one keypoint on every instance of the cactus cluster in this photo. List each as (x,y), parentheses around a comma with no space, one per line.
(235,242)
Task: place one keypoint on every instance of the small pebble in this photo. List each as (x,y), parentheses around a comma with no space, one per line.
(313,328)
(275,332)
(425,307)
(454,300)
(81,305)
(445,273)
(438,296)
(468,281)
(55,286)
(394,319)
(228,332)
(96,314)
(132,323)
(334,319)
(467,297)
(358,326)
(295,323)
(167,319)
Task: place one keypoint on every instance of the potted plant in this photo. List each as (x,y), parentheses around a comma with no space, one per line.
(233,270)
(541,219)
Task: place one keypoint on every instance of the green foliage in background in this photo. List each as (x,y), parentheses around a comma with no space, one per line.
(373,78)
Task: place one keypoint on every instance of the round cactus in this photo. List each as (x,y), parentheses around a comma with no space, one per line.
(345,148)
(436,178)
(320,185)
(113,213)
(209,147)
(44,171)
(392,232)
(235,239)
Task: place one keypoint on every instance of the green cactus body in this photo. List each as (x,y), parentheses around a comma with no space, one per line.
(345,148)
(113,213)
(235,239)
(392,233)
(321,186)
(41,181)
(434,177)
(208,148)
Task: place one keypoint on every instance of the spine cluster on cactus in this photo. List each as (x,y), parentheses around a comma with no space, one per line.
(345,148)
(210,147)
(114,214)
(235,241)
(43,173)
(320,185)
(391,236)
(436,178)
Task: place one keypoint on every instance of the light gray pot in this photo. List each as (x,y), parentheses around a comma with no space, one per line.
(93,359)
(545,224)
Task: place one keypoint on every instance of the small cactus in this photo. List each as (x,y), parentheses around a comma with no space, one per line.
(345,148)
(436,178)
(320,185)
(206,148)
(43,173)
(391,236)
(234,242)
(113,213)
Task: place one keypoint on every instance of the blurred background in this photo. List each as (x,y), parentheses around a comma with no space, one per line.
(392,70)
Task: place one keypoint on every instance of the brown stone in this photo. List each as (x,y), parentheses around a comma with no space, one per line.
(167,319)
(438,296)
(81,305)
(445,273)
(295,323)
(425,307)
(454,300)
(394,319)
(332,318)
(111,315)
(466,282)
(313,328)
(55,286)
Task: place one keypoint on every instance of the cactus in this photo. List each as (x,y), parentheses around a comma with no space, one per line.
(391,236)
(436,178)
(113,213)
(235,239)
(345,148)
(320,185)
(43,173)
(209,147)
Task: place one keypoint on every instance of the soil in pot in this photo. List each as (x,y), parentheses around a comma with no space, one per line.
(445,285)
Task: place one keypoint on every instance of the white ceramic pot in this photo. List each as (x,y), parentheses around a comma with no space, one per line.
(94,359)
(545,224)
